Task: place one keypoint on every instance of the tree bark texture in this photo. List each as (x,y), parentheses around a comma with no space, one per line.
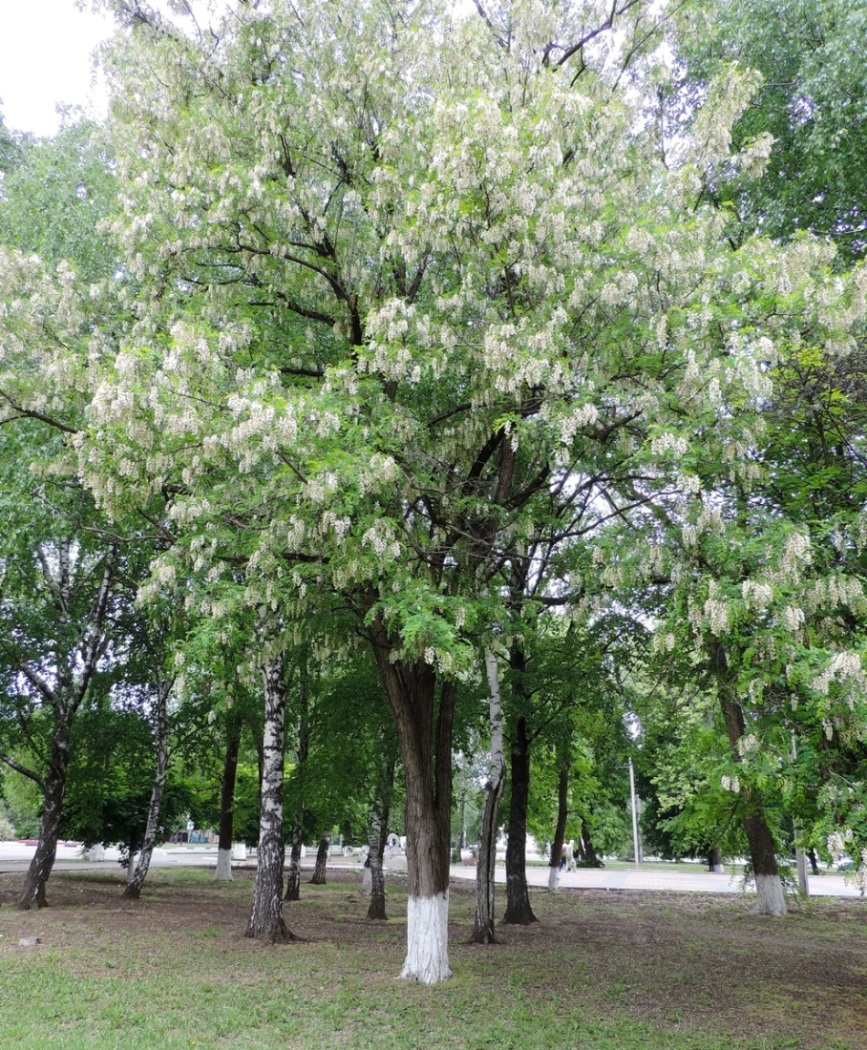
(318,878)
(33,895)
(518,909)
(483,928)
(227,800)
(302,752)
(134,886)
(424,713)
(63,701)
(559,829)
(293,875)
(266,915)
(378,832)
(770,899)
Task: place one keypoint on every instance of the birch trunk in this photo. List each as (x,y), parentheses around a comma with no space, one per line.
(483,931)
(302,752)
(378,833)
(134,886)
(227,801)
(266,916)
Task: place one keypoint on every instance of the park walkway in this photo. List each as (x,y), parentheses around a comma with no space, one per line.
(15,856)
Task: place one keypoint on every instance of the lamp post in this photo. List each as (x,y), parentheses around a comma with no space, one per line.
(634,813)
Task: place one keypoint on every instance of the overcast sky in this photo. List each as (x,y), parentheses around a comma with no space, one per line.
(45,50)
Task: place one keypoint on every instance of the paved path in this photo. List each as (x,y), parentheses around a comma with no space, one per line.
(15,856)
(650,877)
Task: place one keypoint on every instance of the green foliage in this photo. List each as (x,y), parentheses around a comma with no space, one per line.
(812,100)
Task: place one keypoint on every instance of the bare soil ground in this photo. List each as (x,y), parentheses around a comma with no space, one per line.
(683,962)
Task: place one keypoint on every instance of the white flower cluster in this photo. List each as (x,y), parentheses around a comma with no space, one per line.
(797,553)
(380,536)
(665,443)
(748,745)
(845,669)
(731,784)
(664,643)
(757,595)
(840,844)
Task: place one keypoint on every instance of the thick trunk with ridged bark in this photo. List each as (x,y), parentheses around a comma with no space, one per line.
(770,899)
(423,710)
(518,909)
(227,801)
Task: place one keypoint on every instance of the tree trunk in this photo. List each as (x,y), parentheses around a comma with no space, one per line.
(379,817)
(33,895)
(518,910)
(266,915)
(483,931)
(134,886)
(376,848)
(318,878)
(715,860)
(588,850)
(227,801)
(424,718)
(293,876)
(302,751)
(770,899)
(64,701)
(559,830)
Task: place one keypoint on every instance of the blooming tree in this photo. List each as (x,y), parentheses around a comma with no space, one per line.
(407,287)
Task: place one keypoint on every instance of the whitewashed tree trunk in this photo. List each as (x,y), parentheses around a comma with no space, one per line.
(770,898)
(424,716)
(223,871)
(483,932)
(553,876)
(427,950)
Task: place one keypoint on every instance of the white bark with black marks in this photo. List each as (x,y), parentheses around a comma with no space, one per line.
(483,931)
(266,915)
(139,872)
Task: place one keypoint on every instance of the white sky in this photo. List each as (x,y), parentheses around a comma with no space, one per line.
(45,48)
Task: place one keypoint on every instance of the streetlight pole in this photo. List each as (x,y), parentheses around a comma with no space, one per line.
(634,813)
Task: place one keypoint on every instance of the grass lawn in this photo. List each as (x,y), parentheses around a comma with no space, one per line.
(599,971)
